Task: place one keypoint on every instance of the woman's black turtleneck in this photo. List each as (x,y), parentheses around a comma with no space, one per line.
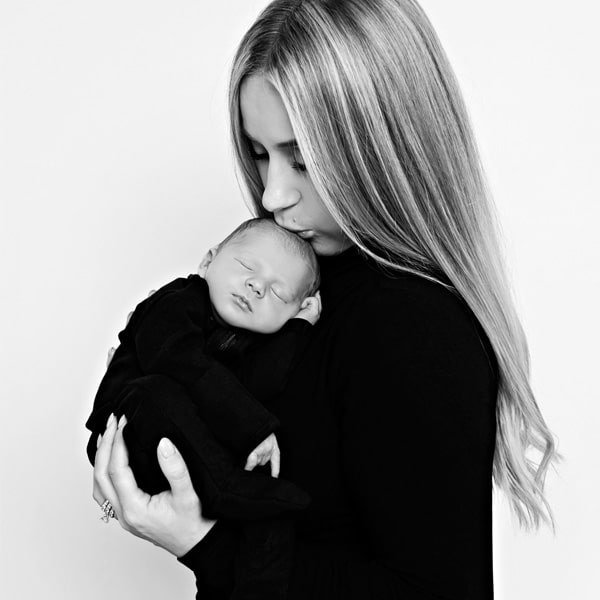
(388,422)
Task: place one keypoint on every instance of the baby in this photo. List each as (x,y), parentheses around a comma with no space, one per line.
(194,358)
(169,374)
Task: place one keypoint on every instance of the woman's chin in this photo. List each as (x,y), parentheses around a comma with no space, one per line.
(329,247)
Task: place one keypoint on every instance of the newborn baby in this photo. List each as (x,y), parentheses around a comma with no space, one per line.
(196,356)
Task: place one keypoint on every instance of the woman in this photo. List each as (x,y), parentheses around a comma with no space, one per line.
(349,129)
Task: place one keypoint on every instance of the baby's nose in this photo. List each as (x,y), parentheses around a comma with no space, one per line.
(256,286)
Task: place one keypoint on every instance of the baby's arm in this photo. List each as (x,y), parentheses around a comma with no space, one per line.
(266,368)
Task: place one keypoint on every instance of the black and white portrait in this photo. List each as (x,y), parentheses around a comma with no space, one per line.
(299,299)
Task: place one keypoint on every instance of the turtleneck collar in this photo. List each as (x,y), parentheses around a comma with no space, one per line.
(343,273)
(335,262)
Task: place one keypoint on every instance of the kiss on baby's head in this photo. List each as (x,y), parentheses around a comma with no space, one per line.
(260,276)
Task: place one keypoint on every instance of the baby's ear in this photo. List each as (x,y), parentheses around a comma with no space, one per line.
(208,258)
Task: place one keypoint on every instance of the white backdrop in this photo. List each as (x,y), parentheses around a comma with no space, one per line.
(115,176)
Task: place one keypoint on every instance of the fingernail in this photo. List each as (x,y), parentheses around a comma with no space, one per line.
(166,448)
(110,421)
(122,421)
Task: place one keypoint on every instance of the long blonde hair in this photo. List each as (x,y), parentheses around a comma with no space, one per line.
(383,130)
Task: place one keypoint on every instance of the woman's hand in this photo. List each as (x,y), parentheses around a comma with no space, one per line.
(171,519)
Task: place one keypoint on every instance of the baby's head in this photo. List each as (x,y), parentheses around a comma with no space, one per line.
(259,276)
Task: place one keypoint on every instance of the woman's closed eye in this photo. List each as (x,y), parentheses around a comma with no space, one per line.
(295,161)
(298,166)
(254,155)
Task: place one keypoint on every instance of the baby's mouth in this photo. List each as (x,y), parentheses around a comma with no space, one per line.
(242,301)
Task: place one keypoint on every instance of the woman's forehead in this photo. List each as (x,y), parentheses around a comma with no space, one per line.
(264,117)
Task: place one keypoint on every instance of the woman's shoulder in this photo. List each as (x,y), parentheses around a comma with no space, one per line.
(403,296)
(411,314)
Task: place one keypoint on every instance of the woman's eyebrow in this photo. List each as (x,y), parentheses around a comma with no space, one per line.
(287,145)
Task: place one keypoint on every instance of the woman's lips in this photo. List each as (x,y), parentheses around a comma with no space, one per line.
(306,234)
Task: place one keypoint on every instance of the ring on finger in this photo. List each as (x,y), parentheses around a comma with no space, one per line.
(108,511)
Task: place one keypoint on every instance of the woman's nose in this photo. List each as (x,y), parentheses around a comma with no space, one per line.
(280,192)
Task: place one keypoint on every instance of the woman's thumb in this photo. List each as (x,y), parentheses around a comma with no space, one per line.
(173,467)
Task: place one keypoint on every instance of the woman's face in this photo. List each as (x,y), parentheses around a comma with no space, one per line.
(289,193)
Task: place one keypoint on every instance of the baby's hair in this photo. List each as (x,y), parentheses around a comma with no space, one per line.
(292,241)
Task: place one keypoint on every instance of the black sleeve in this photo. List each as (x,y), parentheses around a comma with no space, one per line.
(213,561)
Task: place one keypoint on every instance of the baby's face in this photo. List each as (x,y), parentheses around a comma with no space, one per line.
(255,282)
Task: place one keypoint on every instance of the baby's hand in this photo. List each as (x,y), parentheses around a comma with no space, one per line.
(310,309)
(267,450)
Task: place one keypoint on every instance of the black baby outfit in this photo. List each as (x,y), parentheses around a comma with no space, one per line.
(168,376)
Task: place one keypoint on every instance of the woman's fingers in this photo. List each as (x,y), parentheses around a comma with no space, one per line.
(121,475)
(111,353)
(171,519)
(103,489)
(175,470)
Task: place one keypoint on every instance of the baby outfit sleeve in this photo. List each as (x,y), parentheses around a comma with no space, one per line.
(266,369)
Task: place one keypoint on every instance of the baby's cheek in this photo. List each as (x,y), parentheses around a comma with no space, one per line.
(273,319)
